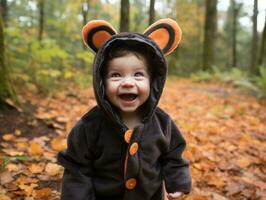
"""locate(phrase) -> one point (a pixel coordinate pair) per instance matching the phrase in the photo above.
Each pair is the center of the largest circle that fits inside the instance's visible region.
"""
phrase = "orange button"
(128, 135)
(131, 183)
(133, 148)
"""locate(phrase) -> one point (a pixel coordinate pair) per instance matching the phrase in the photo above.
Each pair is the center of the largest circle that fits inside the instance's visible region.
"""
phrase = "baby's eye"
(139, 74)
(115, 75)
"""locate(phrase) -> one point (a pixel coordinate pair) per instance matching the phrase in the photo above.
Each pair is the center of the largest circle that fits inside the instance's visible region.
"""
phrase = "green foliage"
(202, 76)
(3, 162)
(255, 84)
(45, 66)
(216, 73)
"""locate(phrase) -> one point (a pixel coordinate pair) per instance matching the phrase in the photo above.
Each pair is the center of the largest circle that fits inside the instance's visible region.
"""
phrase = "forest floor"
(225, 132)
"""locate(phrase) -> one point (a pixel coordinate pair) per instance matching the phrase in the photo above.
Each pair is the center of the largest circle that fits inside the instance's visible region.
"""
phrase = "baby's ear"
(166, 33)
(96, 32)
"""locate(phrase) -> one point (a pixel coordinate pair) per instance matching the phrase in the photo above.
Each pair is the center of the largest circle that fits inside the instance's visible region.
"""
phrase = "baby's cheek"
(144, 94)
(111, 87)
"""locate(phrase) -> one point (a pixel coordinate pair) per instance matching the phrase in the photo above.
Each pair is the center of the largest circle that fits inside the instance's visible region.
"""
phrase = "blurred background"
(46, 79)
(42, 49)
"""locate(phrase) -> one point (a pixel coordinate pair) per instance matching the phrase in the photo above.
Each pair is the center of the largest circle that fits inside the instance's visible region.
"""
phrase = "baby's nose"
(128, 82)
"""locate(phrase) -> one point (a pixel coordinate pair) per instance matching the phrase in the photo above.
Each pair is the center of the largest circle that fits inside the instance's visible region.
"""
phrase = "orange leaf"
(59, 144)
(36, 168)
(9, 137)
(243, 162)
(4, 197)
(5, 177)
(13, 167)
(52, 169)
(28, 189)
(35, 149)
(43, 193)
(13, 152)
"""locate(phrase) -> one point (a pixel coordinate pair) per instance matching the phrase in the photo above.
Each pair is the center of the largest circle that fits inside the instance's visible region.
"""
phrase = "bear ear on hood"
(96, 32)
(166, 33)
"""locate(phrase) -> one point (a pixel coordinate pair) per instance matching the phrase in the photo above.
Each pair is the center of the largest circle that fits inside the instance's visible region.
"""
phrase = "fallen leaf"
(28, 189)
(35, 149)
(12, 104)
(9, 137)
(17, 132)
(243, 162)
(21, 146)
(5, 177)
(52, 169)
(197, 197)
(56, 125)
(214, 181)
(51, 156)
(62, 119)
(4, 197)
(36, 168)
(13, 152)
(233, 188)
(11, 167)
(58, 144)
(22, 180)
(43, 193)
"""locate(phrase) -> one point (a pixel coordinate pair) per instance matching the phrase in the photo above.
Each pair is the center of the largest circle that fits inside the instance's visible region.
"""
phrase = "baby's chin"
(128, 110)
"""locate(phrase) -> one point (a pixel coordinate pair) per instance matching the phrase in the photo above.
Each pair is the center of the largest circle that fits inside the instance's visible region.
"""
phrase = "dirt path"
(225, 133)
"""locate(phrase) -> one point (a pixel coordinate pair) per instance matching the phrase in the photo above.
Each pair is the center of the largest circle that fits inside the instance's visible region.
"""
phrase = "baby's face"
(127, 82)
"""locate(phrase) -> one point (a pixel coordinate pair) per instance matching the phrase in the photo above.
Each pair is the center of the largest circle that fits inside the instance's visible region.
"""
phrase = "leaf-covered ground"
(225, 132)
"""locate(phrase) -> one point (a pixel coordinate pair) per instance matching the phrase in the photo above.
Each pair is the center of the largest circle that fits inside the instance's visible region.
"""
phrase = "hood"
(159, 39)
(158, 65)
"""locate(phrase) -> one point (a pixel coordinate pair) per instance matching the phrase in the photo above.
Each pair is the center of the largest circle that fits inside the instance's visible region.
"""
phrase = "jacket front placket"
(132, 161)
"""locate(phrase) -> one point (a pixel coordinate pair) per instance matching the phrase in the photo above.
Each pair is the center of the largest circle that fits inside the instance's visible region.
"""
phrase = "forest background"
(42, 49)
(215, 91)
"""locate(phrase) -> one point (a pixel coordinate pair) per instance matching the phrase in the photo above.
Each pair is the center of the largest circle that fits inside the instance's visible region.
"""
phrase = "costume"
(105, 160)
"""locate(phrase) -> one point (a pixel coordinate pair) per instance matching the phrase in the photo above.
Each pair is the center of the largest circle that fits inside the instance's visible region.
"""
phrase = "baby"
(126, 147)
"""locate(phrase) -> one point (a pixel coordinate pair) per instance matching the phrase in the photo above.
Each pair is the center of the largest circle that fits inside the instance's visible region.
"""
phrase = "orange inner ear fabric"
(161, 36)
(98, 31)
(99, 38)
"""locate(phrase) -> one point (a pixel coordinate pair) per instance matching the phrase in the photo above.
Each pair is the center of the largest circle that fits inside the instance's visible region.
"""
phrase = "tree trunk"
(6, 91)
(254, 46)
(41, 19)
(262, 45)
(4, 11)
(199, 34)
(124, 16)
(85, 9)
(210, 34)
(234, 33)
(152, 12)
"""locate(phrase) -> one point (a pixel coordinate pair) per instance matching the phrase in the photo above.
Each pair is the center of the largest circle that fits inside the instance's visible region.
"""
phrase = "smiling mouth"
(128, 97)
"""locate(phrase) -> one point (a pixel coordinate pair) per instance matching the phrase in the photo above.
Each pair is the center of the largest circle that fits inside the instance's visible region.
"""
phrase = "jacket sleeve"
(175, 168)
(77, 161)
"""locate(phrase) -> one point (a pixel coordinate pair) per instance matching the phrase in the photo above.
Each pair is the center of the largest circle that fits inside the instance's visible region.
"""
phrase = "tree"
(152, 12)
(209, 34)
(124, 16)
(262, 45)
(85, 9)
(254, 44)
(4, 11)
(234, 32)
(199, 5)
(41, 19)
(6, 91)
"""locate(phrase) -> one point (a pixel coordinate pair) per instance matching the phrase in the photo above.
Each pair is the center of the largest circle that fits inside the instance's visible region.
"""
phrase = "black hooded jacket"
(99, 164)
